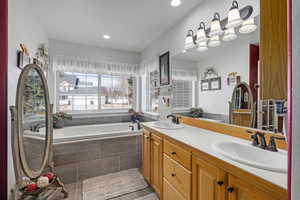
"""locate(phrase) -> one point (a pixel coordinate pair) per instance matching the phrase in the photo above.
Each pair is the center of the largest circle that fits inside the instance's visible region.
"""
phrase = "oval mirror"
(33, 120)
(242, 106)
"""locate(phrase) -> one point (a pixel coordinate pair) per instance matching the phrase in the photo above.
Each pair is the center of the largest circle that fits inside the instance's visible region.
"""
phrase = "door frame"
(3, 96)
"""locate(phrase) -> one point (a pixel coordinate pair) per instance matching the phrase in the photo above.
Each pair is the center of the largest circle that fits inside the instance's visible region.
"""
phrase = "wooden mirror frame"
(17, 141)
(252, 104)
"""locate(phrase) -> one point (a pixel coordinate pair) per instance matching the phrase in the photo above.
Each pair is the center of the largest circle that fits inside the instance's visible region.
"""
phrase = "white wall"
(93, 52)
(173, 40)
(22, 28)
(230, 57)
(296, 101)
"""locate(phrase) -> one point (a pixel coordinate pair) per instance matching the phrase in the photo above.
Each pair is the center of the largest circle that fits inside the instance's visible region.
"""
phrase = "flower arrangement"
(58, 119)
(196, 112)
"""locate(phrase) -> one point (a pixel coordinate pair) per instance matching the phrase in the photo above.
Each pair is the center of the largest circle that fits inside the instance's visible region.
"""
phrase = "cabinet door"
(241, 190)
(156, 163)
(146, 155)
(208, 182)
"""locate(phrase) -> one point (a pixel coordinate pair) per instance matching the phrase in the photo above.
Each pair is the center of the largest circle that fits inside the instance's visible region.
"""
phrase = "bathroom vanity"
(186, 162)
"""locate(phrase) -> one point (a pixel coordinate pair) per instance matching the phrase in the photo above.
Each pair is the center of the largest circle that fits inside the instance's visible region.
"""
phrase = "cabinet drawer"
(170, 193)
(177, 176)
(178, 153)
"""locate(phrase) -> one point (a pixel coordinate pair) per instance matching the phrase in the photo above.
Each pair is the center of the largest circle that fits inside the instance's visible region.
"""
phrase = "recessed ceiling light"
(175, 3)
(107, 37)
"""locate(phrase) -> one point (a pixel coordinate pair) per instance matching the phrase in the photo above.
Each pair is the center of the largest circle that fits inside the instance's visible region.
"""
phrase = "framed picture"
(215, 83)
(205, 85)
(164, 69)
(22, 60)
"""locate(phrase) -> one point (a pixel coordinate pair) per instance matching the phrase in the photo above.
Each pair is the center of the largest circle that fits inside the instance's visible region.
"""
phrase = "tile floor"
(75, 193)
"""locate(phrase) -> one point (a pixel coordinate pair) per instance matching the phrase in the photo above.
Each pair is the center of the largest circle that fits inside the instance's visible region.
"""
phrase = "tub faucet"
(36, 127)
(139, 127)
(175, 119)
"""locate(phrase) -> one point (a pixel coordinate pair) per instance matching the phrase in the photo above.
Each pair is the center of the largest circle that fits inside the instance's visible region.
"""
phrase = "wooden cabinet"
(152, 160)
(146, 155)
(239, 189)
(178, 154)
(209, 182)
(178, 177)
(273, 49)
(170, 193)
(179, 172)
(156, 163)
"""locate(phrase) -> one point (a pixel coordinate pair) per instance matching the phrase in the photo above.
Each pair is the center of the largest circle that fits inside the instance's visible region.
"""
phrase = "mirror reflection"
(34, 119)
(228, 89)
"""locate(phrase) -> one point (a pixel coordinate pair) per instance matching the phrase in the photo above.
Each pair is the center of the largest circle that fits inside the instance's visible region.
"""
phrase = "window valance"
(82, 65)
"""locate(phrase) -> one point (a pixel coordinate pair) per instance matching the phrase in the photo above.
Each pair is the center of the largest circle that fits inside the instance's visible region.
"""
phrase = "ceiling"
(132, 24)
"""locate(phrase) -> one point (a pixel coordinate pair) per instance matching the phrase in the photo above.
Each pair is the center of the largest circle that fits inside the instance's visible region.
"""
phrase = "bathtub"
(73, 134)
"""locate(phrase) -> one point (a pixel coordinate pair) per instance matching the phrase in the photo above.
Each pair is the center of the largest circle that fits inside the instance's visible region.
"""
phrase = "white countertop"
(203, 139)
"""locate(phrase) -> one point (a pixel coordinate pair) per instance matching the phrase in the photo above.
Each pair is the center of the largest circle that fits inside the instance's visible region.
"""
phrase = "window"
(92, 92)
(153, 91)
(182, 94)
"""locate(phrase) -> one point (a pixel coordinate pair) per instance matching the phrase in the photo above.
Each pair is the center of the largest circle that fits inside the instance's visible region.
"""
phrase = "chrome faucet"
(259, 140)
(272, 144)
(36, 127)
(175, 119)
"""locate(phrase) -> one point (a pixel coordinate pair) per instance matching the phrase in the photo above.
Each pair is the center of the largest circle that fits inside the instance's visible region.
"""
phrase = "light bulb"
(214, 41)
(229, 35)
(202, 46)
(175, 3)
(201, 33)
(215, 27)
(248, 26)
(234, 17)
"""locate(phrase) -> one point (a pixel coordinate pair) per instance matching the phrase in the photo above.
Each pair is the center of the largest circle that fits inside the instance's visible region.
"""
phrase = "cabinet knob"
(230, 189)
(173, 174)
(173, 153)
(147, 137)
(220, 183)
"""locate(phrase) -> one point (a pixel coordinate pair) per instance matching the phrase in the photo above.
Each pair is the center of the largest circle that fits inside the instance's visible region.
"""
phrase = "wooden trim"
(273, 49)
(3, 97)
(228, 129)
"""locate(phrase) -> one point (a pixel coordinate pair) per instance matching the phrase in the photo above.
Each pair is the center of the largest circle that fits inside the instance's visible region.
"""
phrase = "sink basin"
(167, 125)
(253, 156)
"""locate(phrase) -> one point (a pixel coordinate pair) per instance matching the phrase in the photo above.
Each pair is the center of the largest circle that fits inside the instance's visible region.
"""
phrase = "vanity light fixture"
(229, 35)
(215, 27)
(175, 3)
(234, 16)
(201, 33)
(214, 41)
(189, 40)
(202, 46)
(248, 26)
(107, 37)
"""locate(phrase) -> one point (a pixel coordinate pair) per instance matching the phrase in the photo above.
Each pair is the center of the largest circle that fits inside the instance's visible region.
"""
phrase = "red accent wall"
(3, 98)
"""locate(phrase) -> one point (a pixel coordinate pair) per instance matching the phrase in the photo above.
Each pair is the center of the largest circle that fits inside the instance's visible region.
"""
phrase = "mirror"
(33, 120)
(241, 106)
(227, 89)
(229, 85)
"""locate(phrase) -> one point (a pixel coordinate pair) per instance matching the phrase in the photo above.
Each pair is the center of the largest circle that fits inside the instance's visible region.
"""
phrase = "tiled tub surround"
(81, 160)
